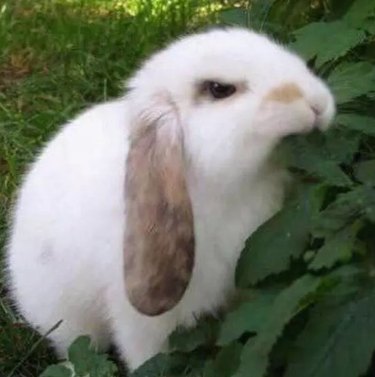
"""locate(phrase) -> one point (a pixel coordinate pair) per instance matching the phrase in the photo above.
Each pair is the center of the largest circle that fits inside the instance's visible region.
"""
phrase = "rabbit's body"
(65, 267)
(132, 219)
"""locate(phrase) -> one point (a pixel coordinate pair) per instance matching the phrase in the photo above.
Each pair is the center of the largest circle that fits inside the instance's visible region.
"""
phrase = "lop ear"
(159, 236)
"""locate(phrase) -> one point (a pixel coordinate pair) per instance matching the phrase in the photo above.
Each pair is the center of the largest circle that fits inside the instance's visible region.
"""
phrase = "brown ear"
(159, 236)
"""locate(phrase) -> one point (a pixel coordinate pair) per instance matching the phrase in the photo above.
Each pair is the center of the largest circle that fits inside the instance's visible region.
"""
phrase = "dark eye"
(219, 90)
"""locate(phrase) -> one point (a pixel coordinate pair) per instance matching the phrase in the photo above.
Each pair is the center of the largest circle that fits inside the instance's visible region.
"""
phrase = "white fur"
(65, 249)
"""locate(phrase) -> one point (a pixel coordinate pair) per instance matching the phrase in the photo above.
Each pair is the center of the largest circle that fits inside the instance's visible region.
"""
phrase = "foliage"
(325, 347)
(82, 361)
(307, 276)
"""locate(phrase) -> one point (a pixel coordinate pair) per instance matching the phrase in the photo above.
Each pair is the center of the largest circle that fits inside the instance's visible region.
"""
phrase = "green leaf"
(258, 14)
(351, 80)
(338, 248)
(345, 282)
(86, 361)
(369, 25)
(328, 171)
(369, 203)
(269, 249)
(347, 207)
(172, 364)
(326, 41)
(337, 340)
(359, 12)
(186, 340)
(339, 146)
(339, 213)
(248, 317)
(226, 362)
(254, 18)
(357, 122)
(254, 357)
(320, 155)
(236, 16)
(157, 366)
(57, 371)
(365, 172)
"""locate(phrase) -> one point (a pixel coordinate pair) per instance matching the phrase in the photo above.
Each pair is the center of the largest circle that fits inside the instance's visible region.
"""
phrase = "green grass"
(57, 57)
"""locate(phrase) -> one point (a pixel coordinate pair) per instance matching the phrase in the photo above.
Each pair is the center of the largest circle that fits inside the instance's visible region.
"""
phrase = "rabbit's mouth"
(288, 109)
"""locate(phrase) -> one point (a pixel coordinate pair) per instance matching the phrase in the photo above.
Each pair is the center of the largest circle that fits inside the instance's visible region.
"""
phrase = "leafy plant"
(82, 361)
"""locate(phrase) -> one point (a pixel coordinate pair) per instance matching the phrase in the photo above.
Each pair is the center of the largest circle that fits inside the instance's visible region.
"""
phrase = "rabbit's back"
(67, 231)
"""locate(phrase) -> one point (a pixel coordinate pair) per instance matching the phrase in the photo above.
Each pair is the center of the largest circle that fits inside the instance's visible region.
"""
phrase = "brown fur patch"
(286, 93)
(159, 238)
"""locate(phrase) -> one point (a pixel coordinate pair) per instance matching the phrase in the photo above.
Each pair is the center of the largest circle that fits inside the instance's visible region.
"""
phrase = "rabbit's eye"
(218, 90)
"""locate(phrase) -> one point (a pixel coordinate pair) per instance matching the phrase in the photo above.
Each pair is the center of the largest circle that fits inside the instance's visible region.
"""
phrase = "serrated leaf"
(351, 80)
(357, 122)
(254, 357)
(326, 40)
(270, 248)
(365, 172)
(320, 155)
(186, 340)
(248, 317)
(329, 171)
(339, 213)
(345, 282)
(87, 362)
(57, 371)
(225, 363)
(337, 248)
(347, 207)
(337, 340)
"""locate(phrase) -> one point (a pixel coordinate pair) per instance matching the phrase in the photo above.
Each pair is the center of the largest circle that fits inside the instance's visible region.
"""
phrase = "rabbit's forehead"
(227, 57)
(235, 56)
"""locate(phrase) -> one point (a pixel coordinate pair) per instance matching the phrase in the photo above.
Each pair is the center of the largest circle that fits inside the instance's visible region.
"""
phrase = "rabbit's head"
(213, 104)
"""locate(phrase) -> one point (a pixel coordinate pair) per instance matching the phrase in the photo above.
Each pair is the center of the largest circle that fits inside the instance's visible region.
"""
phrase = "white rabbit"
(132, 219)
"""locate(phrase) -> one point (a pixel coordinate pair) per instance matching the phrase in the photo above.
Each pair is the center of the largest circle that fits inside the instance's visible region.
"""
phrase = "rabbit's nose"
(316, 110)
(317, 114)
(323, 115)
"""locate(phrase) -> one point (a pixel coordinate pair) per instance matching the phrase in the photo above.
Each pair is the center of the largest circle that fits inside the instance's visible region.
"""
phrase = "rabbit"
(132, 218)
